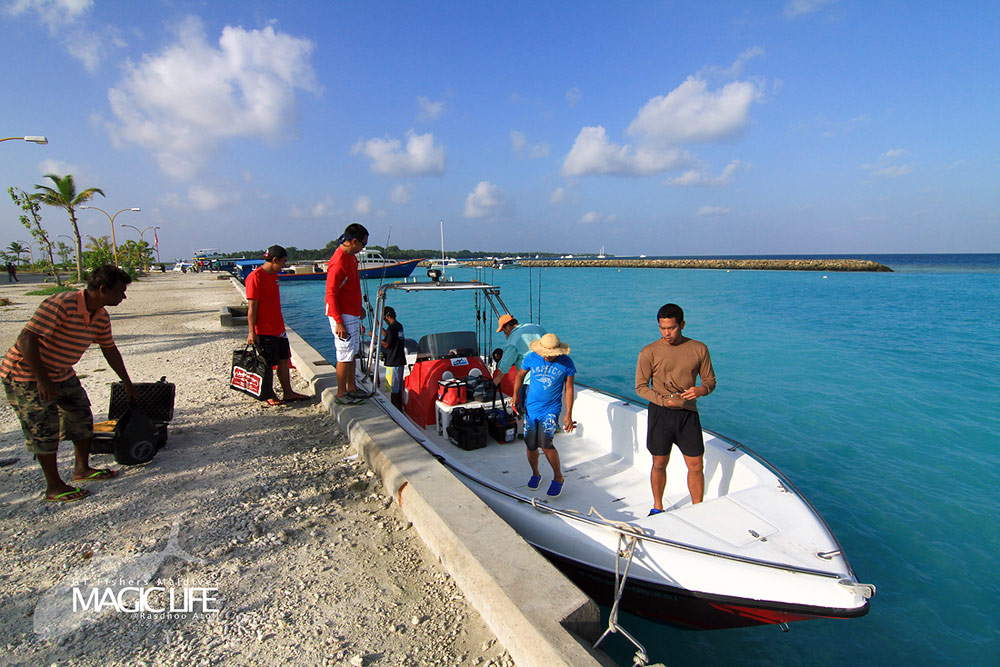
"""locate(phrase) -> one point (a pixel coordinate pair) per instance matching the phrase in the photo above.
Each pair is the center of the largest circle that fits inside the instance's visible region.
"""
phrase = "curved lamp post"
(34, 140)
(141, 232)
(111, 218)
(72, 242)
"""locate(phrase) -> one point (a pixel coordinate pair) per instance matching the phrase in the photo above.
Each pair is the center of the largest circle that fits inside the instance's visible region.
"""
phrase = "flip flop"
(97, 476)
(347, 399)
(654, 512)
(296, 397)
(274, 401)
(69, 496)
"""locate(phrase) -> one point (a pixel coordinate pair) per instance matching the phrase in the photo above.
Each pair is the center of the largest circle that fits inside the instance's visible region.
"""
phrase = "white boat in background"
(601, 254)
(754, 552)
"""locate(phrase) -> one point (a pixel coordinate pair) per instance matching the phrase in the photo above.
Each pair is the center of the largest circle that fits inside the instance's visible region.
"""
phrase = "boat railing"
(575, 515)
(782, 478)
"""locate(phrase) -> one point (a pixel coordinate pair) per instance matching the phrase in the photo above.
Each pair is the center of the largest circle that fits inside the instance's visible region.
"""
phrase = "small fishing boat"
(754, 552)
(371, 265)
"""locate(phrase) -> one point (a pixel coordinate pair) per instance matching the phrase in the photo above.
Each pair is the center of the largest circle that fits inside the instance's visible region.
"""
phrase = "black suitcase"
(141, 429)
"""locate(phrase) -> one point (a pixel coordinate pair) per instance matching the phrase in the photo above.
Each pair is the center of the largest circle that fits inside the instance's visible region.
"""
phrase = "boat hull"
(397, 270)
(686, 609)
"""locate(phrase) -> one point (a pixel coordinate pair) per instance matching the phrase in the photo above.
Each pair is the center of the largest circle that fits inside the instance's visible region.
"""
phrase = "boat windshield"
(447, 345)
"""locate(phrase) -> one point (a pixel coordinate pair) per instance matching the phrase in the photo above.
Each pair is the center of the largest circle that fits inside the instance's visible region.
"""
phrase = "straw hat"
(549, 345)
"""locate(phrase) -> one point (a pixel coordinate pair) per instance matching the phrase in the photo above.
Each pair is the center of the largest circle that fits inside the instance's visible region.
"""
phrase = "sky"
(657, 128)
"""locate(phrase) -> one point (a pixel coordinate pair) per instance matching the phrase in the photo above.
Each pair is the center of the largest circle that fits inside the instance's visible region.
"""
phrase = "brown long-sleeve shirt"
(665, 369)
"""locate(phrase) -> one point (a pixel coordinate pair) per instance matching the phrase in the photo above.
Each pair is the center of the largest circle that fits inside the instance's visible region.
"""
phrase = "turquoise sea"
(877, 394)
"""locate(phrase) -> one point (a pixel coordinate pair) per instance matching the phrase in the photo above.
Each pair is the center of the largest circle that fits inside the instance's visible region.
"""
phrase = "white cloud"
(573, 96)
(205, 199)
(181, 103)
(594, 153)
(486, 200)
(388, 156)
(53, 13)
(559, 196)
(401, 194)
(699, 177)
(61, 169)
(795, 8)
(521, 148)
(894, 170)
(429, 110)
(70, 21)
(593, 217)
(736, 69)
(887, 165)
(321, 209)
(363, 205)
(713, 211)
(693, 114)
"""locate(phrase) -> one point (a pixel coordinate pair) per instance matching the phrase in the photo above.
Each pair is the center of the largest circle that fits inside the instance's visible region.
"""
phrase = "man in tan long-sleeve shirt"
(666, 375)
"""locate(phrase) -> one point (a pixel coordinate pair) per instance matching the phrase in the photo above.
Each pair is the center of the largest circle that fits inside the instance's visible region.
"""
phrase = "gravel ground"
(309, 561)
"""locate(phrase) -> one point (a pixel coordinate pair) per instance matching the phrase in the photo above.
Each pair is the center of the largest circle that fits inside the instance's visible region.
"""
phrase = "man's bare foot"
(293, 396)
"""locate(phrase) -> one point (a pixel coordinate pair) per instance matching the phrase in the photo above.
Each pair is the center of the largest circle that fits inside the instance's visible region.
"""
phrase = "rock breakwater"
(728, 264)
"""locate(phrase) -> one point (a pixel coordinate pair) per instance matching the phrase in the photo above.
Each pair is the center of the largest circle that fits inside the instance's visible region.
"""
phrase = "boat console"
(453, 353)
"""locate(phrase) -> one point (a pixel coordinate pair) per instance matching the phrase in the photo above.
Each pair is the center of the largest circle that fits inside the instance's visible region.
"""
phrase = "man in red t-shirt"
(267, 326)
(343, 307)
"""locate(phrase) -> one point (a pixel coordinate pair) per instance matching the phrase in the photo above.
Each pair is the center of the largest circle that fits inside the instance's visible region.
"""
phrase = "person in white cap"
(552, 374)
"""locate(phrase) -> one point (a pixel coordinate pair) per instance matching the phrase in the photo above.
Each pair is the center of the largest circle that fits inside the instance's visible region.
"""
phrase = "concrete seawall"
(728, 264)
(538, 615)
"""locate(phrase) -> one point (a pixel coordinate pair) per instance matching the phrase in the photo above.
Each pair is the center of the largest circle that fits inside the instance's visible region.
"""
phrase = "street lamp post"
(141, 232)
(72, 242)
(111, 218)
(34, 140)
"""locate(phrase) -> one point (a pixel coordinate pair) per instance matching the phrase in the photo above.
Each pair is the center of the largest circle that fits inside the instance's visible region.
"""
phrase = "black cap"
(275, 252)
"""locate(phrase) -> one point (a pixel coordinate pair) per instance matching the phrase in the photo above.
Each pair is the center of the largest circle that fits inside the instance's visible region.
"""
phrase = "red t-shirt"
(343, 286)
(263, 287)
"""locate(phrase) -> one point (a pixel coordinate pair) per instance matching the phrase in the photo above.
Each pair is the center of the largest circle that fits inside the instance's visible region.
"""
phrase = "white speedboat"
(754, 552)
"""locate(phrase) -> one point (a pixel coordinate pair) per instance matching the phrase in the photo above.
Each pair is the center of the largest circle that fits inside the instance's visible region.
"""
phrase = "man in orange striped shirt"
(42, 387)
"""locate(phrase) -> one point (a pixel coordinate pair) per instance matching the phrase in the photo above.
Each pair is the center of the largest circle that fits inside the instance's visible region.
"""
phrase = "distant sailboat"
(601, 255)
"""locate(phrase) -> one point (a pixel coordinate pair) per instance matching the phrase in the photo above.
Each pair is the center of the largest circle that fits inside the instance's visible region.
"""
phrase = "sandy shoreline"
(311, 562)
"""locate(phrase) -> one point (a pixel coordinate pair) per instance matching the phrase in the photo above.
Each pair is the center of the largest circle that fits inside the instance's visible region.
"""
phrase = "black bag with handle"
(251, 373)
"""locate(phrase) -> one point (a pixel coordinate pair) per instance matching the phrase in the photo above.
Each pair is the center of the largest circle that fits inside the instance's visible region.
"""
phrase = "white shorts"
(347, 349)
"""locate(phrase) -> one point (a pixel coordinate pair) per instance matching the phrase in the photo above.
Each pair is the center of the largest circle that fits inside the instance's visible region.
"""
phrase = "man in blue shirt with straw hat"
(552, 374)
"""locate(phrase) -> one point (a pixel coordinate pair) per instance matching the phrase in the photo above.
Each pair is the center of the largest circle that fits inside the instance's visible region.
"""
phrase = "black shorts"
(274, 348)
(666, 427)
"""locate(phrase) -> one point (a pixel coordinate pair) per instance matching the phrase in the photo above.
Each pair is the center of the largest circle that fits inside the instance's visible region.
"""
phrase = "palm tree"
(64, 195)
(17, 249)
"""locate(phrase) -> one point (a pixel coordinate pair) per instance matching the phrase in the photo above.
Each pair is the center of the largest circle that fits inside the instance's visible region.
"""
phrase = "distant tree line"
(389, 252)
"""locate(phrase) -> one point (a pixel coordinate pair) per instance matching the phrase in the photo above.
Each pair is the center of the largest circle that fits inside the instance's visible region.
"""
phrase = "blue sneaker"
(654, 511)
(534, 482)
(555, 488)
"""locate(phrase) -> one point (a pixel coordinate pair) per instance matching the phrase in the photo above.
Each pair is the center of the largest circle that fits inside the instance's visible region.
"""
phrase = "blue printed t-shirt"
(547, 379)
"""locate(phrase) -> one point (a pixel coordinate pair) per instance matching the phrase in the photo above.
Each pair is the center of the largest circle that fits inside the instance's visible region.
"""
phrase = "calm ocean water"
(877, 394)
